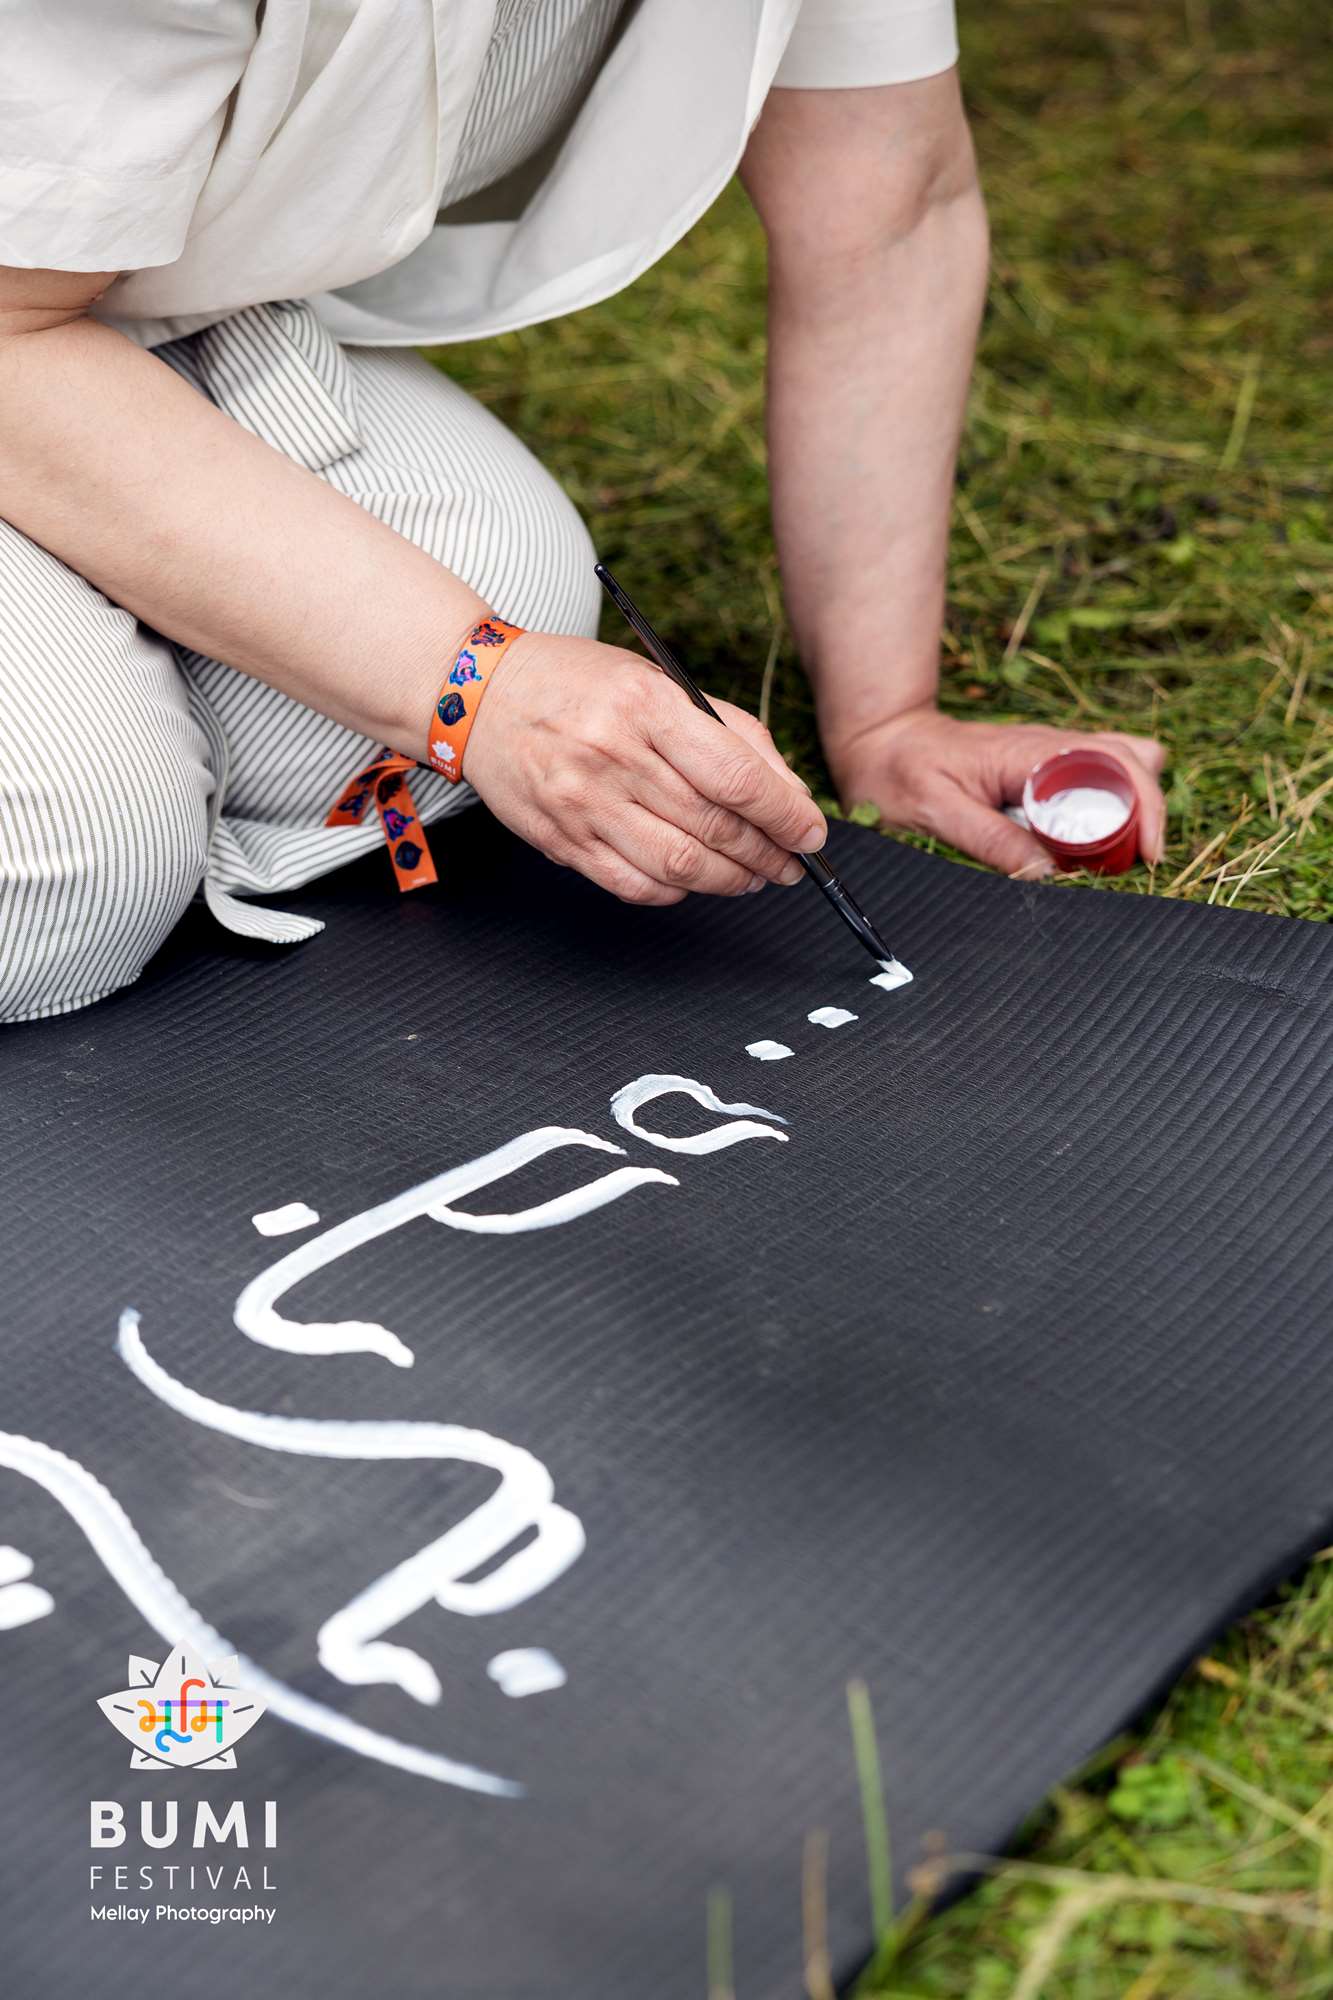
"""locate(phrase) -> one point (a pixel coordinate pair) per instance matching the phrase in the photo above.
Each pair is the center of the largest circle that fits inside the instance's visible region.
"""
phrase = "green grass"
(1144, 539)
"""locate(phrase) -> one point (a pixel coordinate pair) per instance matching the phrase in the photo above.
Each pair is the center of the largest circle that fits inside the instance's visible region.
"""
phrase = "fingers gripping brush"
(815, 866)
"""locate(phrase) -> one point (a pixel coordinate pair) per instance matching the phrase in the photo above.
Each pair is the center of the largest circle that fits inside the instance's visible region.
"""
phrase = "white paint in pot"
(1081, 814)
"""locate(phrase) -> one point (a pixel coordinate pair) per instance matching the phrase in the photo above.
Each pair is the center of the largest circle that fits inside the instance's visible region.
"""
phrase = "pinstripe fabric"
(541, 57)
(103, 845)
(91, 875)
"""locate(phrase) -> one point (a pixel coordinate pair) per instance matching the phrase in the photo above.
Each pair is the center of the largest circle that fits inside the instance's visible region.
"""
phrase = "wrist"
(410, 680)
(461, 693)
(441, 734)
(865, 670)
(845, 725)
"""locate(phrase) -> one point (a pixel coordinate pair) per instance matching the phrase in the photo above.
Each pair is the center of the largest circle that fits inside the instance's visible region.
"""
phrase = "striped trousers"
(202, 780)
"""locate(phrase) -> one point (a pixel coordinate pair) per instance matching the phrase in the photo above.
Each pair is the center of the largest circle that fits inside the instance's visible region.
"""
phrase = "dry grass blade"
(1241, 1788)
(1259, 866)
(1216, 1670)
(814, 1917)
(1289, 1909)
(1024, 618)
(721, 1977)
(1240, 421)
(1204, 855)
(1050, 1941)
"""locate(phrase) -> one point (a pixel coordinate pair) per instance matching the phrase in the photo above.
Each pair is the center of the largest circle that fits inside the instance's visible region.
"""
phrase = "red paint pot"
(1114, 852)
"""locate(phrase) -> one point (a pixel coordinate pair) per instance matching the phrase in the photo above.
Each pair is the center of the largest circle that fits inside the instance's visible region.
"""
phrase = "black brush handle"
(815, 865)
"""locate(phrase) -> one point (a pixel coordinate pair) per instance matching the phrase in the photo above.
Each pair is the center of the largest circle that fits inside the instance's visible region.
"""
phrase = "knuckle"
(792, 817)
(619, 879)
(922, 816)
(631, 692)
(628, 886)
(679, 861)
(719, 828)
(568, 795)
(603, 732)
(632, 702)
(739, 782)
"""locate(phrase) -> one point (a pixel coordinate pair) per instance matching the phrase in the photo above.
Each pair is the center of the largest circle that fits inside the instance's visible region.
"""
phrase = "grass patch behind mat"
(1143, 539)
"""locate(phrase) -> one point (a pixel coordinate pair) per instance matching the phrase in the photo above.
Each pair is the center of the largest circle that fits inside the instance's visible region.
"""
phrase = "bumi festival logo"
(181, 1714)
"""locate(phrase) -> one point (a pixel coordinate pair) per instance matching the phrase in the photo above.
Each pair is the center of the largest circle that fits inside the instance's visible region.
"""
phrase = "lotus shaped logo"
(182, 1714)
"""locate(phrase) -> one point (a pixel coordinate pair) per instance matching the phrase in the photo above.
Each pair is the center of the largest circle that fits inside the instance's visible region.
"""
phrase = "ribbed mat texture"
(997, 1376)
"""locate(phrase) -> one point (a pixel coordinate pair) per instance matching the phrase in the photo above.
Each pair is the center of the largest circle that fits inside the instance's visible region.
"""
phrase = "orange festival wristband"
(455, 709)
(384, 779)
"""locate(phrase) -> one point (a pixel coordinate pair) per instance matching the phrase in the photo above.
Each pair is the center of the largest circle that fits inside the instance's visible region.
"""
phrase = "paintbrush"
(815, 866)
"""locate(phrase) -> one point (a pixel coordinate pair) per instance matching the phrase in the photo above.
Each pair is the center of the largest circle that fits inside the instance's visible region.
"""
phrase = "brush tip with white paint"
(893, 975)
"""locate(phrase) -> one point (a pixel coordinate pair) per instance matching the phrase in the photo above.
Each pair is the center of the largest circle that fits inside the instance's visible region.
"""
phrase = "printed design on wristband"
(384, 782)
(471, 668)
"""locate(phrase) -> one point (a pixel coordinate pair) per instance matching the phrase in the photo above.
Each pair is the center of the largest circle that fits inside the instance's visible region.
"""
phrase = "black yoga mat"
(998, 1382)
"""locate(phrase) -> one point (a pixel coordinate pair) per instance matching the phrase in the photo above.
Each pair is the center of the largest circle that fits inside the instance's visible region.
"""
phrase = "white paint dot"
(282, 1221)
(831, 1017)
(526, 1670)
(14, 1565)
(892, 975)
(767, 1051)
(20, 1602)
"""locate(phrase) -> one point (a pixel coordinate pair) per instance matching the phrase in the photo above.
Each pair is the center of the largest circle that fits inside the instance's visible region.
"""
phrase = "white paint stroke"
(350, 1644)
(282, 1221)
(631, 1096)
(526, 1670)
(117, 1544)
(20, 1602)
(831, 1017)
(255, 1313)
(893, 975)
(767, 1051)
(14, 1565)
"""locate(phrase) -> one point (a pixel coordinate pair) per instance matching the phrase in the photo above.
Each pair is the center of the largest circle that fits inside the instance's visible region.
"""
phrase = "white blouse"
(221, 154)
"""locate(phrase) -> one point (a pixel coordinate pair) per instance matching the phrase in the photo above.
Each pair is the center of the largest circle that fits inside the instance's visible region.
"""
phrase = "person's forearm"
(870, 351)
(115, 464)
(877, 272)
(111, 461)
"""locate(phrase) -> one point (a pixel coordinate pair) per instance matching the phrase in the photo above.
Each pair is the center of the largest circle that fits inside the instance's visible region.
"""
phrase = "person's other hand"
(601, 762)
(937, 775)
